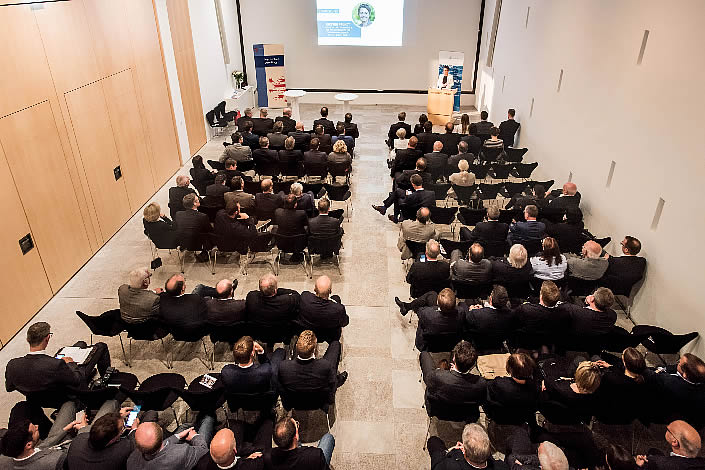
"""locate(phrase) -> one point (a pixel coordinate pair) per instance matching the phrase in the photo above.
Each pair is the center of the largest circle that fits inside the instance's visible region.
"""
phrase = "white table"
(293, 97)
(346, 98)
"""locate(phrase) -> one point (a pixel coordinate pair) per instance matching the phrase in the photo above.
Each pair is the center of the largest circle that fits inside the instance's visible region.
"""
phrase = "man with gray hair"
(473, 452)
(137, 302)
(428, 273)
(589, 266)
(304, 200)
(177, 193)
(288, 123)
(246, 116)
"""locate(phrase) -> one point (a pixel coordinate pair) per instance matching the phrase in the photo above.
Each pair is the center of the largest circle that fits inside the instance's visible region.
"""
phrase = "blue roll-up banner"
(454, 61)
(271, 77)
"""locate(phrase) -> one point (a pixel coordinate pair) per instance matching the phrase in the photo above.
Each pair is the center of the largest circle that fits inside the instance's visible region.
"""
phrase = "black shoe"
(391, 217)
(381, 209)
(234, 284)
(403, 309)
(342, 377)
(321, 193)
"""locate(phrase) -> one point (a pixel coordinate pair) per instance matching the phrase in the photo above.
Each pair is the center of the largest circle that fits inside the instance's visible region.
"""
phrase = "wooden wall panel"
(31, 142)
(185, 57)
(90, 124)
(111, 37)
(29, 289)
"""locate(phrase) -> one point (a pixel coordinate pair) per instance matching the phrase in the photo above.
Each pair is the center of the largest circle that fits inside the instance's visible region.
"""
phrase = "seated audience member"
(248, 375)
(405, 159)
(474, 452)
(177, 193)
(22, 447)
(237, 151)
(218, 188)
(322, 312)
(223, 309)
(262, 125)
(327, 124)
(462, 154)
(419, 230)
(180, 310)
(437, 161)
(543, 320)
(305, 373)
(569, 234)
(224, 451)
(249, 138)
(401, 142)
(48, 373)
(476, 268)
(202, 176)
(302, 139)
(622, 386)
(137, 302)
(291, 455)
(483, 127)
(450, 140)
(235, 227)
(685, 444)
(589, 266)
(289, 125)
(392, 134)
(407, 202)
(267, 202)
(680, 386)
(494, 141)
(457, 385)
(513, 269)
(491, 232)
(271, 305)
(578, 396)
(549, 264)
(343, 135)
(324, 225)
(568, 198)
(474, 144)
(529, 231)
(193, 226)
(325, 141)
(265, 158)
(625, 271)
(182, 450)
(290, 221)
(315, 157)
(596, 318)
(290, 158)
(246, 116)
(304, 200)
(430, 274)
(520, 454)
(276, 137)
(463, 177)
(350, 127)
(158, 227)
(518, 392)
(418, 128)
(438, 318)
(494, 318)
(531, 196)
(426, 138)
(403, 180)
(231, 172)
(340, 154)
(508, 129)
(239, 196)
(429, 299)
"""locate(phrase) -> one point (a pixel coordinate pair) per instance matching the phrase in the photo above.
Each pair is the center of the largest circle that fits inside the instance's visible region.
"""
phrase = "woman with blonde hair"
(340, 153)
(158, 227)
(576, 395)
(401, 142)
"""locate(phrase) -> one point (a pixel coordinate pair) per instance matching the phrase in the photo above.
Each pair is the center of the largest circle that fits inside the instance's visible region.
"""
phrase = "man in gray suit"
(137, 302)
(236, 151)
(239, 196)
(589, 266)
(475, 269)
(182, 450)
(420, 230)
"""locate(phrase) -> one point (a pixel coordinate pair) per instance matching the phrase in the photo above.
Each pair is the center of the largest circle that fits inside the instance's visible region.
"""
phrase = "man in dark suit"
(271, 305)
(184, 312)
(193, 226)
(315, 157)
(405, 159)
(508, 129)
(681, 388)
(407, 202)
(323, 312)
(302, 139)
(289, 219)
(543, 320)
(439, 317)
(267, 202)
(350, 127)
(246, 116)
(262, 125)
(304, 373)
(494, 318)
(528, 231)
(249, 138)
(567, 199)
(437, 161)
(474, 452)
(685, 444)
(450, 140)
(474, 143)
(483, 127)
(248, 375)
(429, 273)
(457, 385)
(40, 372)
(324, 225)
(461, 154)
(403, 180)
(569, 234)
(223, 308)
(490, 234)
(304, 200)
(285, 119)
(325, 141)
(328, 126)
(476, 268)
(392, 134)
(597, 318)
(217, 189)
(236, 228)
(177, 193)
(291, 455)
(624, 271)
(266, 159)
(427, 138)
(231, 172)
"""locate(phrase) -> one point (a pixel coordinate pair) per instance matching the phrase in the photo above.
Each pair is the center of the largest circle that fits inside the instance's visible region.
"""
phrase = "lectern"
(440, 106)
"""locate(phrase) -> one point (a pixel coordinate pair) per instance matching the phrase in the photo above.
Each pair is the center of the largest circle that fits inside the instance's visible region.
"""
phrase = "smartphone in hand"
(130, 420)
(80, 415)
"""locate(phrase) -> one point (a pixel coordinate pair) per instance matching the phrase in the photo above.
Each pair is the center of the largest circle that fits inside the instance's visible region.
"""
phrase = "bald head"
(268, 285)
(223, 447)
(552, 457)
(684, 439)
(592, 249)
(148, 438)
(423, 215)
(570, 189)
(224, 289)
(182, 181)
(299, 126)
(323, 287)
(437, 146)
(175, 285)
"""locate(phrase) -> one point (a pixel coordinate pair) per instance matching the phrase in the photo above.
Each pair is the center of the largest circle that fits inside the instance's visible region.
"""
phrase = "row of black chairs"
(467, 195)
(497, 171)
(218, 118)
(293, 169)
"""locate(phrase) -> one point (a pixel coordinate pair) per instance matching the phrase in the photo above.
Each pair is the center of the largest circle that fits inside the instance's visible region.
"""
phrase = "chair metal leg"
(167, 363)
(129, 360)
(337, 264)
(124, 356)
(428, 433)
(215, 260)
(205, 351)
(176, 418)
(328, 421)
(181, 260)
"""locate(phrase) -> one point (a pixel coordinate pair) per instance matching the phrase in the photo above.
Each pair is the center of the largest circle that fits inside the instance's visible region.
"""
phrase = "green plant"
(238, 75)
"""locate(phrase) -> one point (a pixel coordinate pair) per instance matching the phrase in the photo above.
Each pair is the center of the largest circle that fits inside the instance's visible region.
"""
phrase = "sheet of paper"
(79, 355)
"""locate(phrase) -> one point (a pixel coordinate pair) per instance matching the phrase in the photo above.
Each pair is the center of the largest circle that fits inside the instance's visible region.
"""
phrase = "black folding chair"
(200, 398)
(157, 393)
(444, 216)
(309, 400)
(108, 324)
(290, 244)
(471, 217)
(216, 165)
(441, 342)
(465, 195)
(340, 193)
(511, 189)
(315, 170)
(440, 189)
(450, 245)
(193, 335)
(261, 401)
(507, 216)
(516, 155)
(480, 171)
(216, 127)
(150, 330)
(94, 398)
(340, 169)
(416, 248)
(261, 244)
(501, 171)
(471, 290)
(524, 170)
(325, 246)
(456, 412)
(490, 154)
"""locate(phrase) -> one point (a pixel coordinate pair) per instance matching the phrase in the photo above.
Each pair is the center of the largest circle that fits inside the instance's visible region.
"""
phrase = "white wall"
(428, 28)
(232, 35)
(644, 117)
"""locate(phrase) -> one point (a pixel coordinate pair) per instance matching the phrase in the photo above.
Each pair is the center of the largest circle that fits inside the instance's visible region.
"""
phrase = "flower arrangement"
(238, 77)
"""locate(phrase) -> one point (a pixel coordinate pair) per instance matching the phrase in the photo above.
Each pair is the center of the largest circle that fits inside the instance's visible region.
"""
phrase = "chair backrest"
(441, 190)
(489, 191)
(227, 333)
(210, 210)
(507, 215)
(291, 243)
(443, 215)
(497, 249)
(480, 171)
(416, 248)
(518, 290)
(516, 155)
(450, 245)
(581, 287)
(210, 117)
(512, 188)
(216, 165)
(471, 290)
(229, 245)
(324, 245)
(108, 323)
(262, 401)
(150, 330)
(339, 169)
(490, 154)
(246, 165)
(508, 415)
(189, 335)
(618, 339)
(471, 217)
(500, 171)
(261, 243)
(442, 342)
(464, 194)
(316, 169)
(532, 247)
(467, 412)
(552, 214)
(308, 400)
(270, 334)
(524, 170)
(337, 192)
(546, 184)
(203, 401)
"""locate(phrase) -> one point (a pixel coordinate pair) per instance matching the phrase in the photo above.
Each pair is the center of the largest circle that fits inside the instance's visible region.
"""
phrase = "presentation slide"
(355, 23)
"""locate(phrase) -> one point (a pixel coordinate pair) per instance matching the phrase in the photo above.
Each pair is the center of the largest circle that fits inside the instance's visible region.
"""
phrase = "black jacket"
(186, 312)
(301, 458)
(622, 273)
(474, 143)
(570, 237)
(490, 233)
(266, 161)
(162, 232)
(289, 124)
(266, 204)
(223, 312)
(587, 322)
(297, 375)
(537, 320)
(251, 140)
(324, 225)
(392, 134)
(449, 386)
(82, 456)
(217, 190)
(455, 460)
(428, 276)
(504, 273)
(281, 308)
(351, 129)
(426, 141)
(302, 140)
(190, 225)
(489, 321)
(507, 393)
(262, 126)
(507, 131)
(176, 198)
(321, 314)
(405, 159)
(328, 126)
(290, 221)
(47, 373)
(403, 179)
(254, 379)
(416, 200)
(325, 143)
(450, 142)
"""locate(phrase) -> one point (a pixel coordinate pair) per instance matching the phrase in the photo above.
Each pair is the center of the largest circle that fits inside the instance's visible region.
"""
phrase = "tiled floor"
(379, 420)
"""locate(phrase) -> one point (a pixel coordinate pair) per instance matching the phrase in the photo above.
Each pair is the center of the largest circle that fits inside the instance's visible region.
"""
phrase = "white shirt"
(447, 85)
